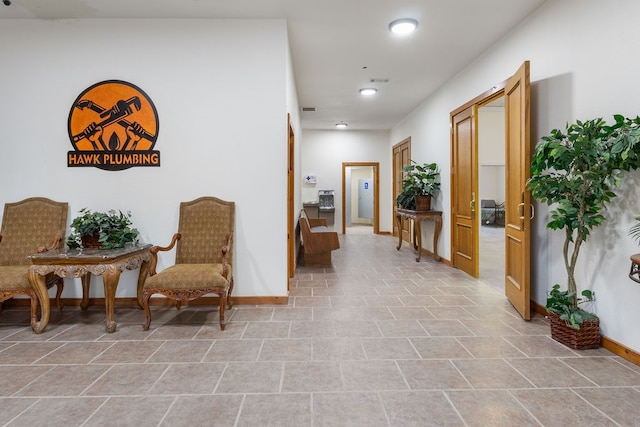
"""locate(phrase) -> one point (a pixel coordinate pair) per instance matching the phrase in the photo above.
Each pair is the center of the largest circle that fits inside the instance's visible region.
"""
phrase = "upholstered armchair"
(204, 256)
(32, 225)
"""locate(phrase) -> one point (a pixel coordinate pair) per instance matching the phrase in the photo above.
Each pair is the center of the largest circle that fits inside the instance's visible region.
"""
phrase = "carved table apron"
(417, 217)
(108, 263)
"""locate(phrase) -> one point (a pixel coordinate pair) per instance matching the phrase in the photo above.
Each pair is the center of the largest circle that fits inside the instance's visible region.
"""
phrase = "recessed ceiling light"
(368, 91)
(403, 26)
(341, 125)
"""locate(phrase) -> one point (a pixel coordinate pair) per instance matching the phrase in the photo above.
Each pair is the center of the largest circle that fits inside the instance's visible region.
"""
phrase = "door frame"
(496, 91)
(376, 193)
(396, 186)
(291, 261)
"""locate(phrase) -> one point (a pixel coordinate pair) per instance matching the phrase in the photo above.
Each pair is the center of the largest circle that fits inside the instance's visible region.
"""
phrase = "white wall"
(583, 65)
(222, 89)
(293, 109)
(324, 151)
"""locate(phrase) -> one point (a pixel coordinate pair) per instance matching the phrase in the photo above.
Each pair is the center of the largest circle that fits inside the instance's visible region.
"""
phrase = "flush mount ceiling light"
(368, 91)
(341, 125)
(403, 26)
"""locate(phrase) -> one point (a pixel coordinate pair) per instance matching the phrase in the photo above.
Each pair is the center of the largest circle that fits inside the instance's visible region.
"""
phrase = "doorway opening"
(360, 195)
(491, 192)
(518, 212)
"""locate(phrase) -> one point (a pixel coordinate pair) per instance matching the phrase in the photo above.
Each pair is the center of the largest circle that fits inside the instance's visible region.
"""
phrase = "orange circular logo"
(116, 121)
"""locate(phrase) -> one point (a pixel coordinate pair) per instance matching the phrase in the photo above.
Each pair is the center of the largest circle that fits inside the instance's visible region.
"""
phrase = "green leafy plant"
(566, 305)
(419, 180)
(634, 231)
(113, 228)
(576, 172)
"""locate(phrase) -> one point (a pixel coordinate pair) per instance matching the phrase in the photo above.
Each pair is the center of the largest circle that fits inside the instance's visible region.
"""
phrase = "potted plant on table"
(419, 185)
(106, 230)
(576, 172)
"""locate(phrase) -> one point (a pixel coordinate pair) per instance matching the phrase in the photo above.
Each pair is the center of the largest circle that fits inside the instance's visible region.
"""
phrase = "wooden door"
(401, 158)
(290, 185)
(518, 201)
(464, 185)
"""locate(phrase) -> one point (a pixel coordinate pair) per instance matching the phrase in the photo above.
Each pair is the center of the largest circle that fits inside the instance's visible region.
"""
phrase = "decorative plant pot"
(91, 241)
(588, 336)
(423, 203)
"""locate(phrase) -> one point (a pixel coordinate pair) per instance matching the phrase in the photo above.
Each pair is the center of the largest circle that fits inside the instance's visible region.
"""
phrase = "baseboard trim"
(611, 345)
(155, 301)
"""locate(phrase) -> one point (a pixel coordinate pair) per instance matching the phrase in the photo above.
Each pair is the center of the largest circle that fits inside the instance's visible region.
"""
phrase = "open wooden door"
(401, 158)
(464, 185)
(291, 262)
(518, 210)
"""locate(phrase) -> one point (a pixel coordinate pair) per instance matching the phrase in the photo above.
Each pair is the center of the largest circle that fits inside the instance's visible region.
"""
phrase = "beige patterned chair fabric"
(32, 225)
(204, 256)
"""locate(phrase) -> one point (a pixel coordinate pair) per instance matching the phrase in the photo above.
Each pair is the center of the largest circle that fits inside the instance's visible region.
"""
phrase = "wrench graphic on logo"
(115, 114)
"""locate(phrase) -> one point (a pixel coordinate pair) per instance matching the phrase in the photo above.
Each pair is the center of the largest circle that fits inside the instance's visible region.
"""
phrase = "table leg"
(39, 286)
(436, 234)
(399, 222)
(86, 284)
(110, 279)
(142, 277)
(417, 227)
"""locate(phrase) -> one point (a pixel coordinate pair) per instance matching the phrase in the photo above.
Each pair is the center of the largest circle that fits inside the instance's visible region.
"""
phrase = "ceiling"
(339, 46)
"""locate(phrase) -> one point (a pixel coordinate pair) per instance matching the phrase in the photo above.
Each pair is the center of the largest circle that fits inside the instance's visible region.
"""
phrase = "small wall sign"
(113, 125)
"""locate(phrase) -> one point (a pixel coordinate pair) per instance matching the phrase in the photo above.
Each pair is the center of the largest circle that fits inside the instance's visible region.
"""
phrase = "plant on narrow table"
(576, 173)
(419, 180)
(113, 229)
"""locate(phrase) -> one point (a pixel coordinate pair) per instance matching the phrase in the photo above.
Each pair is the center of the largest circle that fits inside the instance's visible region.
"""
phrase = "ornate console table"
(108, 263)
(417, 217)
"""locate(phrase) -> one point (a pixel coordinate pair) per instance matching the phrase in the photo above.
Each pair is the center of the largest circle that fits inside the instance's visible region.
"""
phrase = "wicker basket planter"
(92, 241)
(423, 203)
(588, 336)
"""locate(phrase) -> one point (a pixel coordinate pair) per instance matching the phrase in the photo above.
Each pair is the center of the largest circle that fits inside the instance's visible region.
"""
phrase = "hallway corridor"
(376, 340)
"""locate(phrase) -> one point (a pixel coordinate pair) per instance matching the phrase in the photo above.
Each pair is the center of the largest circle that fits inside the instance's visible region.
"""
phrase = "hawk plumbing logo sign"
(113, 125)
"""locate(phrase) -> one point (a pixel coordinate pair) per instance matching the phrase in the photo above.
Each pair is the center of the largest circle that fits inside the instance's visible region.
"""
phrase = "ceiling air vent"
(308, 109)
(379, 80)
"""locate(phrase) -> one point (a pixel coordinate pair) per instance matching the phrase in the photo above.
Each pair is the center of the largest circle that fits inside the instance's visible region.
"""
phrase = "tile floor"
(376, 340)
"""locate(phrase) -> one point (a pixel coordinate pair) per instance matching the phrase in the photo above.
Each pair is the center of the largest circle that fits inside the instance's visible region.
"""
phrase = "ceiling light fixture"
(368, 91)
(403, 26)
(341, 125)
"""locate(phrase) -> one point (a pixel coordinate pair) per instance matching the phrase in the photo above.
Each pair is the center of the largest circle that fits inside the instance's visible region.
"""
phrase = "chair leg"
(145, 305)
(223, 300)
(229, 302)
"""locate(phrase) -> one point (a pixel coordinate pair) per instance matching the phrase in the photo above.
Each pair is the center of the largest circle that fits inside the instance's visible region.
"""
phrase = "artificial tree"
(576, 172)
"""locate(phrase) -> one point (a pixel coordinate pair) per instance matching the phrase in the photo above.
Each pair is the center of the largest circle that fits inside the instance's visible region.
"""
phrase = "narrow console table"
(417, 217)
(108, 263)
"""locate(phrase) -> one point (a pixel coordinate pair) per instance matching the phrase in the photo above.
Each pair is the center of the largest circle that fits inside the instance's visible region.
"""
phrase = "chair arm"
(154, 253)
(56, 241)
(225, 262)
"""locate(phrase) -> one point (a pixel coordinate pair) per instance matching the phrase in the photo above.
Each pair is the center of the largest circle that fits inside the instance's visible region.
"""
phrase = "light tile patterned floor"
(376, 340)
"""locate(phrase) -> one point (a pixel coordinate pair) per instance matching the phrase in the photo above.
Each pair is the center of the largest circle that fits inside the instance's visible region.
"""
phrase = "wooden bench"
(317, 240)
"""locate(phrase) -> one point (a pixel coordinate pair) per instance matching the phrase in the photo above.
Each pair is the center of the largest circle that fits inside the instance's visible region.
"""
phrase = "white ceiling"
(338, 46)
